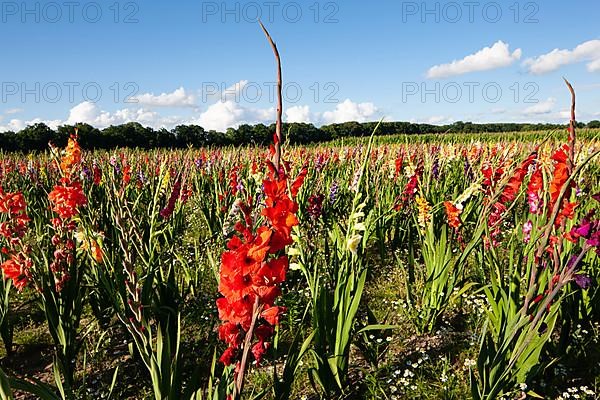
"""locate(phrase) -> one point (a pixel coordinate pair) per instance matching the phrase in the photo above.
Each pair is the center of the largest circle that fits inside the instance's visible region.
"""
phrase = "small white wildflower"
(469, 363)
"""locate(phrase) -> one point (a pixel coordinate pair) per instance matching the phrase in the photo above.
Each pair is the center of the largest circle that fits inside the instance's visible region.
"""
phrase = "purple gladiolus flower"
(584, 229)
(87, 173)
(594, 240)
(319, 163)
(333, 192)
(435, 169)
(469, 171)
(583, 281)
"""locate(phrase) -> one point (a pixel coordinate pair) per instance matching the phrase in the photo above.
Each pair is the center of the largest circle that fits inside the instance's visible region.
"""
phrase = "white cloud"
(90, 113)
(229, 114)
(214, 92)
(178, 98)
(433, 120)
(298, 114)
(488, 58)
(16, 125)
(12, 111)
(565, 114)
(13, 125)
(234, 91)
(52, 123)
(350, 111)
(218, 116)
(439, 120)
(544, 107)
(86, 112)
(587, 51)
(594, 66)
(588, 87)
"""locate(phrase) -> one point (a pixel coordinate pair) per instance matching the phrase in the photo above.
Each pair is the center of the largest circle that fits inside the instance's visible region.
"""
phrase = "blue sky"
(166, 63)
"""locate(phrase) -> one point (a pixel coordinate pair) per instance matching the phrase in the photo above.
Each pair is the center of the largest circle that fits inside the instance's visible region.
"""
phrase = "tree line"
(133, 134)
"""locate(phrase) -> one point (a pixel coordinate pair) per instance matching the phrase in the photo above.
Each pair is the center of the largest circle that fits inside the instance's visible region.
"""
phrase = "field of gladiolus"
(429, 267)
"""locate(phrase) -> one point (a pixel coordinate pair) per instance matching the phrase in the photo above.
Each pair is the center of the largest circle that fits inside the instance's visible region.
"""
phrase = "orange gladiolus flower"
(72, 156)
(96, 251)
(67, 198)
(453, 214)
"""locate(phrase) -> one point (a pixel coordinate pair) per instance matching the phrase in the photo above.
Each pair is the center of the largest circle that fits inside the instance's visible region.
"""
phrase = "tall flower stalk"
(45, 257)
(521, 318)
(255, 264)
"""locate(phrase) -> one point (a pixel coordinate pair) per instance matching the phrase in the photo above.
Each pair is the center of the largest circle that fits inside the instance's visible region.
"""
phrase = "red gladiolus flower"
(315, 206)
(12, 203)
(230, 333)
(282, 217)
(97, 174)
(491, 176)
(237, 312)
(533, 190)
(15, 228)
(272, 314)
(398, 165)
(295, 188)
(18, 265)
(259, 349)
(170, 207)
(567, 212)
(228, 356)
(126, 175)
(252, 268)
(514, 183)
(65, 199)
(559, 176)
(17, 269)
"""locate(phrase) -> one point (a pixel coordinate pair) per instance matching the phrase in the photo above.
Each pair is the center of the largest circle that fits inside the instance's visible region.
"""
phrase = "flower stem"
(239, 383)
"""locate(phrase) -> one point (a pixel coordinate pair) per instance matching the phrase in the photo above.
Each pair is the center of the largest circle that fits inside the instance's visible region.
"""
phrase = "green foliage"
(134, 135)
(345, 254)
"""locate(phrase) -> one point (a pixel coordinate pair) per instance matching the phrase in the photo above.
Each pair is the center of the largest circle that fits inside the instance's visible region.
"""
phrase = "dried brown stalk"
(277, 157)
